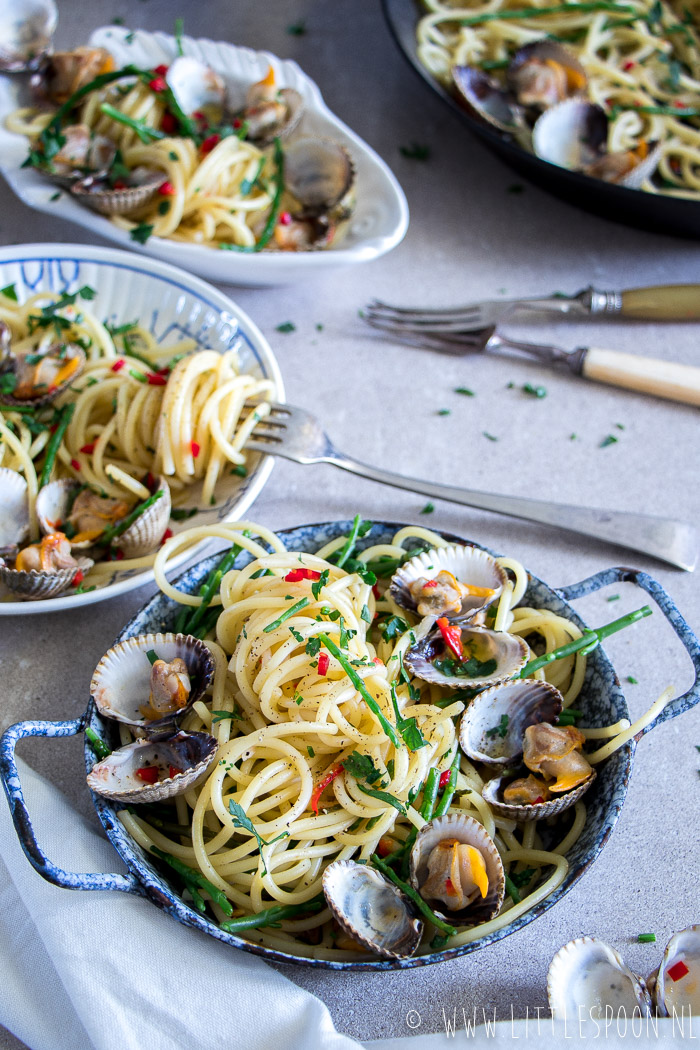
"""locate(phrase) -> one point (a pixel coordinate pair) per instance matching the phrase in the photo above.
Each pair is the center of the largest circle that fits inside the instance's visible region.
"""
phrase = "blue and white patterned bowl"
(601, 700)
(172, 305)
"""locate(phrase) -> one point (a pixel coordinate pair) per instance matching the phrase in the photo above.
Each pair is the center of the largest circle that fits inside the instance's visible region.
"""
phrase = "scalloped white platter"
(172, 305)
(378, 224)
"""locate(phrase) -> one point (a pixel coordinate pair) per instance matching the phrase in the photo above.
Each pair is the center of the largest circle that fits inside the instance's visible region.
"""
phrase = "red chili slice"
(88, 449)
(429, 583)
(538, 800)
(173, 771)
(75, 465)
(449, 886)
(119, 554)
(444, 777)
(195, 448)
(149, 774)
(166, 189)
(330, 776)
(323, 662)
(78, 578)
(677, 971)
(155, 380)
(160, 71)
(285, 218)
(166, 536)
(168, 123)
(118, 365)
(209, 143)
(296, 575)
(452, 636)
(375, 591)
(157, 84)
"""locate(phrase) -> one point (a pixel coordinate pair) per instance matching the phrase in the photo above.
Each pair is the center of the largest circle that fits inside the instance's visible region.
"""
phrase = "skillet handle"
(9, 774)
(689, 699)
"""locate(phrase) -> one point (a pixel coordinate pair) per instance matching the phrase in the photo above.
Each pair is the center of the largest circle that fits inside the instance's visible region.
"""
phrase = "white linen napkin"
(109, 971)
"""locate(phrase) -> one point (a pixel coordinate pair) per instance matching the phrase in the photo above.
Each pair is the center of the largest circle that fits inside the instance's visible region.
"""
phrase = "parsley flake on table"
(428, 508)
(464, 390)
(444, 411)
(609, 440)
(416, 151)
(297, 28)
(286, 327)
(534, 391)
(491, 437)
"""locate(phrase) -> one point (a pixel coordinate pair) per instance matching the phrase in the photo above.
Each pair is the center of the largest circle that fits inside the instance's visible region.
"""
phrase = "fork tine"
(469, 314)
(427, 324)
(448, 344)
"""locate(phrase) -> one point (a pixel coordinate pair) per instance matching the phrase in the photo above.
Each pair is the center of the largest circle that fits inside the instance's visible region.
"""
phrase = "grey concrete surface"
(469, 237)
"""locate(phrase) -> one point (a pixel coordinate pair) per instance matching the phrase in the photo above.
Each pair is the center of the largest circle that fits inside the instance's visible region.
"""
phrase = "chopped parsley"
(297, 28)
(318, 585)
(366, 615)
(491, 437)
(407, 727)
(535, 391)
(183, 513)
(632, 680)
(393, 627)
(609, 440)
(428, 508)
(444, 411)
(10, 292)
(286, 327)
(416, 151)
(241, 820)
(500, 730)
(362, 767)
(313, 647)
(142, 232)
(471, 668)
(464, 390)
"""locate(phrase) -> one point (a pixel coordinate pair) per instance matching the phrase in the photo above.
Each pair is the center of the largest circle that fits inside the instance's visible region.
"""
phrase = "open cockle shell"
(45, 395)
(36, 584)
(469, 831)
(680, 996)
(471, 566)
(493, 794)
(14, 509)
(319, 174)
(116, 776)
(587, 974)
(26, 29)
(371, 909)
(543, 73)
(121, 682)
(142, 186)
(262, 131)
(485, 98)
(195, 85)
(518, 704)
(149, 528)
(508, 650)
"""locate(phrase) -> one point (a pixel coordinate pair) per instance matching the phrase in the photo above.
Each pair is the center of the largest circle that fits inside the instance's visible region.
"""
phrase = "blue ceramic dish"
(601, 700)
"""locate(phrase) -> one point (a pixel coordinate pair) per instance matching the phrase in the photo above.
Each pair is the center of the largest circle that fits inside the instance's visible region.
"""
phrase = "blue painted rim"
(604, 801)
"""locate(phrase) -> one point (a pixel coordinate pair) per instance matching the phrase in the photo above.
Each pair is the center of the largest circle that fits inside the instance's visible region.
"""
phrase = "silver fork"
(295, 434)
(673, 302)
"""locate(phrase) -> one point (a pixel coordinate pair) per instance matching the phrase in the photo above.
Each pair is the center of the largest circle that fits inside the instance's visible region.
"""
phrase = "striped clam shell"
(469, 565)
(14, 508)
(148, 530)
(587, 974)
(294, 104)
(683, 994)
(116, 776)
(371, 910)
(121, 681)
(520, 704)
(492, 793)
(35, 585)
(508, 650)
(122, 201)
(465, 829)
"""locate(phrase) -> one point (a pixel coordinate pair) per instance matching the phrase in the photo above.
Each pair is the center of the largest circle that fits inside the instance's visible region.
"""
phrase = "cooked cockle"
(456, 654)
(543, 73)
(271, 112)
(170, 688)
(128, 687)
(587, 974)
(455, 864)
(555, 752)
(371, 910)
(91, 513)
(153, 771)
(676, 985)
(456, 582)
(45, 569)
(65, 72)
(50, 555)
(41, 377)
(80, 153)
(526, 791)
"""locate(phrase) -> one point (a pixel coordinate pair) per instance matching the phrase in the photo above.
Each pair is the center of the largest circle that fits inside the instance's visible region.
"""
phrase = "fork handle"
(670, 302)
(645, 374)
(675, 542)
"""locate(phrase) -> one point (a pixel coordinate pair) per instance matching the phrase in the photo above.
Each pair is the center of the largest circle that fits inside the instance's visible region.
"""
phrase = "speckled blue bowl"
(601, 700)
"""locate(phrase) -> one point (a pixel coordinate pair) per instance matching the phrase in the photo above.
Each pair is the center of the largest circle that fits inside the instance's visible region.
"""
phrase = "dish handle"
(686, 700)
(23, 825)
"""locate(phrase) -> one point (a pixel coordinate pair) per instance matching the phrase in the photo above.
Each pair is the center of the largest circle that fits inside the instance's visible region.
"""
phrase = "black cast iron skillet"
(646, 211)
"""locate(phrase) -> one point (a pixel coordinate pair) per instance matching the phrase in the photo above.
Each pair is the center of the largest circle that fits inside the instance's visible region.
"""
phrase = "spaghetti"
(309, 673)
(642, 59)
(137, 409)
